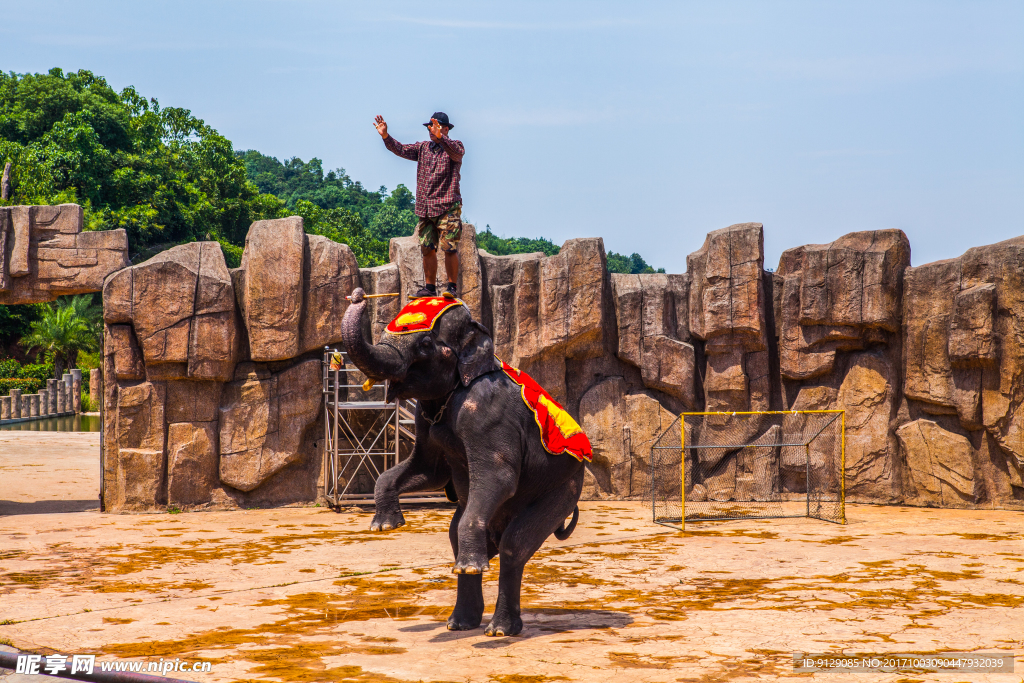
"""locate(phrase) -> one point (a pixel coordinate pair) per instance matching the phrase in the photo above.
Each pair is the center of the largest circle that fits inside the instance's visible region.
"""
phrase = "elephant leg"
(472, 556)
(424, 470)
(524, 535)
(469, 603)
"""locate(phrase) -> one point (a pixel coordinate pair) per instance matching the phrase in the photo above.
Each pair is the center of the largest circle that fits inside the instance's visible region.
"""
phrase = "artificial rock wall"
(213, 392)
(44, 253)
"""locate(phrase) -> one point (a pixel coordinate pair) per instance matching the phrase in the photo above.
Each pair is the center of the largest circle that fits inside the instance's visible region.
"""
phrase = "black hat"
(442, 118)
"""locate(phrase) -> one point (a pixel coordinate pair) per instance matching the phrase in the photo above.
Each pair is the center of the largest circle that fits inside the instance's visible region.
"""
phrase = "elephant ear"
(476, 353)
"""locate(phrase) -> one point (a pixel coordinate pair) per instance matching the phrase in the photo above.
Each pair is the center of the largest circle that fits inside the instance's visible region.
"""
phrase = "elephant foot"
(387, 520)
(471, 565)
(504, 625)
(459, 621)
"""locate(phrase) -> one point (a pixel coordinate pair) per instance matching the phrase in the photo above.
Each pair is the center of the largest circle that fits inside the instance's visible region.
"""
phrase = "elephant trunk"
(376, 361)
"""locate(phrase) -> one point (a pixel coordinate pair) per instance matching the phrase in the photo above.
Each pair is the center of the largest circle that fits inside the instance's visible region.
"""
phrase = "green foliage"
(64, 330)
(334, 204)
(392, 221)
(503, 246)
(633, 264)
(87, 360)
(39, 371)
(16, 320)
(160, 173)
(342, 225)
(232, 253)
(27, 386)
(295, 180)
(88, 307)
(87, 406)
(9, 368)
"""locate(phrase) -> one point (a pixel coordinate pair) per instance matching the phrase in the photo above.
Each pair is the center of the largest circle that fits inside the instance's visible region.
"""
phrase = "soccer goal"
(749, 465)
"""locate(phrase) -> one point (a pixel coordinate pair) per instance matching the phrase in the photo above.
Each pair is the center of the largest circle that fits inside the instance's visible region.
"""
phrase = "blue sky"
(646, 123)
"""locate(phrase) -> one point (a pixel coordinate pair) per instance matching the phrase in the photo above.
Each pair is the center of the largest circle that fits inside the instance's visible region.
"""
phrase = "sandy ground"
(307, 594)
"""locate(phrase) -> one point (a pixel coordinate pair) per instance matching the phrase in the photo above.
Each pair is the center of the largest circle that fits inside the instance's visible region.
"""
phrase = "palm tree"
(64, 330)
(89, 311)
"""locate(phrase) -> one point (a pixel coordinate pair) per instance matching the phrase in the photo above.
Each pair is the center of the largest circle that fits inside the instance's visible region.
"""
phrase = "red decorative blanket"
(559, 433)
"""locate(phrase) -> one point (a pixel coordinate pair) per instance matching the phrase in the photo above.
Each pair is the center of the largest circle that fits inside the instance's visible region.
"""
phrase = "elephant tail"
(563, 532)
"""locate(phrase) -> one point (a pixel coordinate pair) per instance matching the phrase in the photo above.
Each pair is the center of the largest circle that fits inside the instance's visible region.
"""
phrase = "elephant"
(476, 437)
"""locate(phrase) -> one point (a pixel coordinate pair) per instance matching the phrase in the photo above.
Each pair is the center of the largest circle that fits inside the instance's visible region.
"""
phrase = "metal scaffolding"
(362, 435)
(359, 435)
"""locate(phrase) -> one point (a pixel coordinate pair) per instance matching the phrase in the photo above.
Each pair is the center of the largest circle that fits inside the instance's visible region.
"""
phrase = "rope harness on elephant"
(440, 413)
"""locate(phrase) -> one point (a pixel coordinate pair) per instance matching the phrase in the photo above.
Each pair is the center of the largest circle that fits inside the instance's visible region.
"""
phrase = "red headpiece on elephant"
(421, 314)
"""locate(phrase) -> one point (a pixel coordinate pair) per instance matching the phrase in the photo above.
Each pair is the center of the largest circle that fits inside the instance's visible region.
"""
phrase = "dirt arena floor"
(308, 594)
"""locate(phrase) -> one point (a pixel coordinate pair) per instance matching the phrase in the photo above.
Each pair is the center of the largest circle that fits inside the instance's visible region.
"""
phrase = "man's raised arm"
(411, 152)
(455, 149)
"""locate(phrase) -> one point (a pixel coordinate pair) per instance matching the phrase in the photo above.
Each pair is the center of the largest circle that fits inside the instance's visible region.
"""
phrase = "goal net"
(716, 466)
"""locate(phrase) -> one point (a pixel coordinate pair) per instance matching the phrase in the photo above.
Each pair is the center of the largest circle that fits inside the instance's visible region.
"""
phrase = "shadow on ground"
(47, 507)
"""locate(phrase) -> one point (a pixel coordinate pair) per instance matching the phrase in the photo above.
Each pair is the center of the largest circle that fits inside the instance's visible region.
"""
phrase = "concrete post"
(62, 396)
(95, 388)
(33, 405)
(5, 407)
(15, 404)
(68, 380)
(76, 389)
(44, 403)
(51, 391)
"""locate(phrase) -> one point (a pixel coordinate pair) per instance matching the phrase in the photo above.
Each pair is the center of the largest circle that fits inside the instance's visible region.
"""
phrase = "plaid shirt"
(437, 173)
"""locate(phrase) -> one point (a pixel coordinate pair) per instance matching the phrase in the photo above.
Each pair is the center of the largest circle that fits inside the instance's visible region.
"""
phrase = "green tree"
(391, 221)
(63, 330)
(634, 264)
(503, 246)
(160, 173)
(402, 199)
(16, 321)
(88, 307)
(345, 226)
(295, 180)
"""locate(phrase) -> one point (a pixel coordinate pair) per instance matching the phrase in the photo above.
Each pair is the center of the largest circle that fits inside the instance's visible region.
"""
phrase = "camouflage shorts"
(441, 231)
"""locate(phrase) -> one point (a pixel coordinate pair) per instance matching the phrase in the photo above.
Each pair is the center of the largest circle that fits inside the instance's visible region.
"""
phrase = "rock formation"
(214, 396)
(837, 310)
(963, 360)
(212, 377)
(728, 315)
(44, 253)
(180, 306)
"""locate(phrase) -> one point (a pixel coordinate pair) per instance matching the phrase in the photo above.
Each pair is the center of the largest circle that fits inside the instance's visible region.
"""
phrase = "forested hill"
(167, 178)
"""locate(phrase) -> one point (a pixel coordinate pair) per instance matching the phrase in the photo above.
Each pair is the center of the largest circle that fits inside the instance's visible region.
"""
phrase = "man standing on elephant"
(438, 200)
